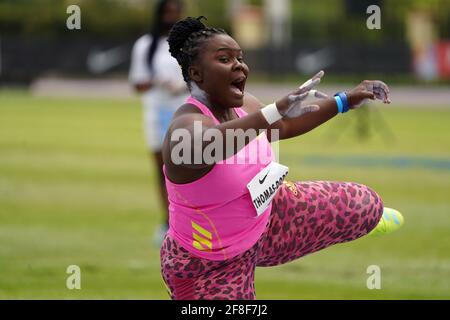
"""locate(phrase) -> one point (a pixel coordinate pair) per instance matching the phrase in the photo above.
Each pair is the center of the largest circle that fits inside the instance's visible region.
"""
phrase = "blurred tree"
(215, 11)
(440, 10)
(344, 20)
(312, 21)
(47, 18)
(359, 7)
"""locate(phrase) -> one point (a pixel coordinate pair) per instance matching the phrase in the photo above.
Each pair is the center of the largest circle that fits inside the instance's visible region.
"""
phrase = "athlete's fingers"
(308, 85)
(381, 94)
(318, 75)
(381, 84)
(383, 87)
(317, 94)
(298, 97)
(380, 89)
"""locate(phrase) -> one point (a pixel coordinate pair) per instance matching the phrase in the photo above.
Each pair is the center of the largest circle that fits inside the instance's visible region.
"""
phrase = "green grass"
(77, 187)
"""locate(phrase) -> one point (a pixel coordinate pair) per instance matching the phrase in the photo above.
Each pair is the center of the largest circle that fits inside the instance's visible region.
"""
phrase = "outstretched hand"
(291, 106)
(368, 89)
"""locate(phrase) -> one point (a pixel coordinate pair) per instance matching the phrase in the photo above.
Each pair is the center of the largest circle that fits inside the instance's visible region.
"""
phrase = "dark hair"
(159, 27)
(185, 40)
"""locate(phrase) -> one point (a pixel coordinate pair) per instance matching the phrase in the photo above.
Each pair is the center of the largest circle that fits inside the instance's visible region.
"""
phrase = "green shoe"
(389, 222)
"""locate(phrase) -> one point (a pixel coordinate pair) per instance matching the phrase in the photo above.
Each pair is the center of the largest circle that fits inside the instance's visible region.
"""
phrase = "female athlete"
(237, 212)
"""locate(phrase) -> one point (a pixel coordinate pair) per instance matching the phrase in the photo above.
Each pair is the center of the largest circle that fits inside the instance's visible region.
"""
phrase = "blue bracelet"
(343, 102)
(339, 103)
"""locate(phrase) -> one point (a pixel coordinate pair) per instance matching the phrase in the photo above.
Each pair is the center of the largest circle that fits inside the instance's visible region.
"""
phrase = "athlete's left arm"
(292, 127)
(367, 89)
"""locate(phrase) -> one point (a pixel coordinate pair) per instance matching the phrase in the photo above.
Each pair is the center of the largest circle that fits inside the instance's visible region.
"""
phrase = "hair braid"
(185, 40)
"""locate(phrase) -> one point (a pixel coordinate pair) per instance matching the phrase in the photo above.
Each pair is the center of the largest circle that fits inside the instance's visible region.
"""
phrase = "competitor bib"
(265, 184)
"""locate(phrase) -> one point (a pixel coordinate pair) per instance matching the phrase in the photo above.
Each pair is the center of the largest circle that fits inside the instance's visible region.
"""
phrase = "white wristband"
(271, 113)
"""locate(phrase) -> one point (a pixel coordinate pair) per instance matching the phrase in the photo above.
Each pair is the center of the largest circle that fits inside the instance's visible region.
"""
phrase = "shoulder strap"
(204, 109)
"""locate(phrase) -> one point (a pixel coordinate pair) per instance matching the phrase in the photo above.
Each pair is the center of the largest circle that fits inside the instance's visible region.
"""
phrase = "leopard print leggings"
(306, 217)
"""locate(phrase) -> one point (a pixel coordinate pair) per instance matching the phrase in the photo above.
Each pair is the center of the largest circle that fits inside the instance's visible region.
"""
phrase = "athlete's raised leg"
(309, 216)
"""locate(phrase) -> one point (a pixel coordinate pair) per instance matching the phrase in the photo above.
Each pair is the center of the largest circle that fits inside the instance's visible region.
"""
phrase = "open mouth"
(238, 85)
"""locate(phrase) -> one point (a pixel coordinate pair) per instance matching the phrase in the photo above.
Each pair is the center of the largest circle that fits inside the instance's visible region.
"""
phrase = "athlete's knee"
(371, 206)
(375, 201)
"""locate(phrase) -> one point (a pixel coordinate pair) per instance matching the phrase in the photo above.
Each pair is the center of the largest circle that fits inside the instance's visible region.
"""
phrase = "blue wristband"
(339, 103)
(343, 99)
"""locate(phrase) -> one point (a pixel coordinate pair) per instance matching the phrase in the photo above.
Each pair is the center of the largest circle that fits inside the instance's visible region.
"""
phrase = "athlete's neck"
(200, 95)
(222, 114)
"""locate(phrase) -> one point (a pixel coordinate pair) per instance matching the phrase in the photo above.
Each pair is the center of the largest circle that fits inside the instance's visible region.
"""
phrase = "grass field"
(77, 188)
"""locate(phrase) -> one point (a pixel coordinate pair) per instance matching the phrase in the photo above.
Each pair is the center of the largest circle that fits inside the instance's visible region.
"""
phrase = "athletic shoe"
(389, 222)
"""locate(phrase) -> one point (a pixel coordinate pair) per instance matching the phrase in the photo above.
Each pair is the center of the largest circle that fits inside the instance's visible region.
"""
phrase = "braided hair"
(159, 27)
(185, 39)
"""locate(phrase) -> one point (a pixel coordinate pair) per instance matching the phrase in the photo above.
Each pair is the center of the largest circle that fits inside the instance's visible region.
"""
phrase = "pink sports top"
(213, 217)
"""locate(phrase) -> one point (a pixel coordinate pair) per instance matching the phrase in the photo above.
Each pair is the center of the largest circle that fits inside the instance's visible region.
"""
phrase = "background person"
(156, 75)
